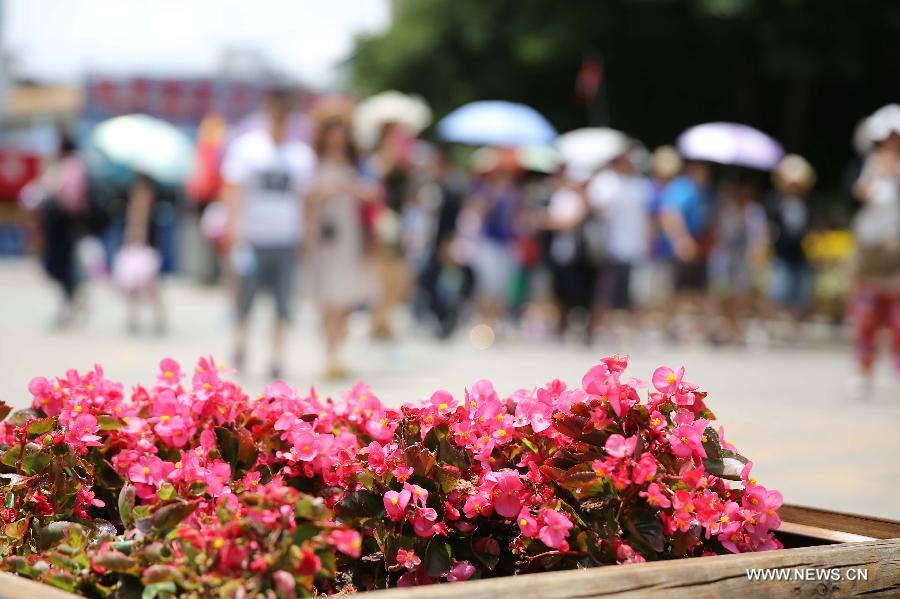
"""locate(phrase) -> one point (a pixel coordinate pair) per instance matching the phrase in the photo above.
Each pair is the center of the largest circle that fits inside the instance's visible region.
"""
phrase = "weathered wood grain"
(868, 526)
(16, 587)
(867, 543)
(706, 577)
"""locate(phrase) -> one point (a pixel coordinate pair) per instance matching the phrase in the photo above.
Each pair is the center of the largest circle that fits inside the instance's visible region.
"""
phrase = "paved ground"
(787, 409)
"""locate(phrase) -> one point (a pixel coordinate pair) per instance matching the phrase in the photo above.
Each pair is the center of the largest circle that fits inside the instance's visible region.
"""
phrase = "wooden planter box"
(827, 554)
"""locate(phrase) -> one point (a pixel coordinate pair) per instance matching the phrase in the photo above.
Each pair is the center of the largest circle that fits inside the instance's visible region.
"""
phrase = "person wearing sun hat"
(789, 222)
(335, 233)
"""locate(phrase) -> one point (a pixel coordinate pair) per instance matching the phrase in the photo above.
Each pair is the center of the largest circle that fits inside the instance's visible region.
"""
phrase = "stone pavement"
(787, 409)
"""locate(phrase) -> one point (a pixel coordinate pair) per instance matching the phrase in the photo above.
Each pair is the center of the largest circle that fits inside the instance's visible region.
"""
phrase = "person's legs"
(280, 263)
(894, 322)
(247, 285)
(866, 316)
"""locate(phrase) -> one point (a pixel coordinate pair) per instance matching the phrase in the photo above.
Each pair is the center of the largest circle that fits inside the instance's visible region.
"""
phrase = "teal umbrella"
(147, 145)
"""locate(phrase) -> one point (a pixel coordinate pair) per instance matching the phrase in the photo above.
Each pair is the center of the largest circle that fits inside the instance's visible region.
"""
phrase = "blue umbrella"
(496, 123)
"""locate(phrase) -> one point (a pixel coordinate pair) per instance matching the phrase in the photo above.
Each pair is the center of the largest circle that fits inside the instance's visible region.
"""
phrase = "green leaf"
(108, 423)
(20, 418)
(5, 409)
(17, 529)
(487, 550)
(104, 473)
(447, 477)
(437, 558)
(41, 426)
(159, 589)
(72, 533)
(419, 458)
(61, 580)
(646, 528)
(584, 483)
(166, 491)
(237, 448)
(360, 504)
(126, 504)
(115, 561)
(169, 516)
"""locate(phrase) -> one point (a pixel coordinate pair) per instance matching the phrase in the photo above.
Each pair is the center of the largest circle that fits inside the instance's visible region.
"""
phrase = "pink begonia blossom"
(346, 541)
(507, 492)
(619, 447)
(555, 527)
(655, 496)
(83, 431)
(460, 570)
(527, 524)
(478, 504)
(395, 503)
(408, 559)
(667, 380)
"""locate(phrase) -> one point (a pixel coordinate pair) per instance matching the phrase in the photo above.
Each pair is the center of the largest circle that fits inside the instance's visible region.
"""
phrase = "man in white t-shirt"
(266, 176)
(621, 198)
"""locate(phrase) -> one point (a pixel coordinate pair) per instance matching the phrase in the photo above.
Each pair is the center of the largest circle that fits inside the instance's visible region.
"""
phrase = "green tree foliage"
(803, 70)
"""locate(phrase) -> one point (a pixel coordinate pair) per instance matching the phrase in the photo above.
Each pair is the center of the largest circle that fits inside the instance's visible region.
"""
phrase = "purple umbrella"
(731, 143)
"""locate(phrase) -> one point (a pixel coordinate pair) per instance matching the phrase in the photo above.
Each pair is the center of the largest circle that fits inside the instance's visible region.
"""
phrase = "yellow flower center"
(77, 409)
(501, 432)
(523, 522)
(207, 386)
(443, 406)
(146, 470)
(218, 543)
(725, 519)
(655, 421)
(125, 419)
(168, 374)
(684, 439)
(165, 417)
(671, 378)
(394, 501)
(178, 465)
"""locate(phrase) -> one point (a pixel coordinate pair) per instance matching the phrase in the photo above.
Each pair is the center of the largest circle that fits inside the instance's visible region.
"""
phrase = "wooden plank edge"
(867, 526)
(718, 576)
(18, 587)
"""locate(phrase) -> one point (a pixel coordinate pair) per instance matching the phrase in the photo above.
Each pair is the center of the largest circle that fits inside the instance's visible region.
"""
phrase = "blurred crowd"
(585, 236)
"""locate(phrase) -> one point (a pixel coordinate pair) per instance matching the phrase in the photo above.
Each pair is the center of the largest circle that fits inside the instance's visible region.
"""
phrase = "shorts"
(690, 276)
(273, 270)
(791, 284)
(495, 266)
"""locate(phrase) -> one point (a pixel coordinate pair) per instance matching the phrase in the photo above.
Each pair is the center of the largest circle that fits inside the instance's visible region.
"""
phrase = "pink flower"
(443, 401)
(476, 505)
(534, 413)
(460, 570)
(346, 541)
(555, 529)
(169, 373)
(655, 496)
(305, 446)
(217, 476)
(285, 585)
(686, 441)
(644, 470)
(419, 495)
(395, 503)
(527, 524)
(423, 521)
(667, 380)
(310, 563)
(620, 447)
(408, 559)
(507, 492)
(82, 431)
